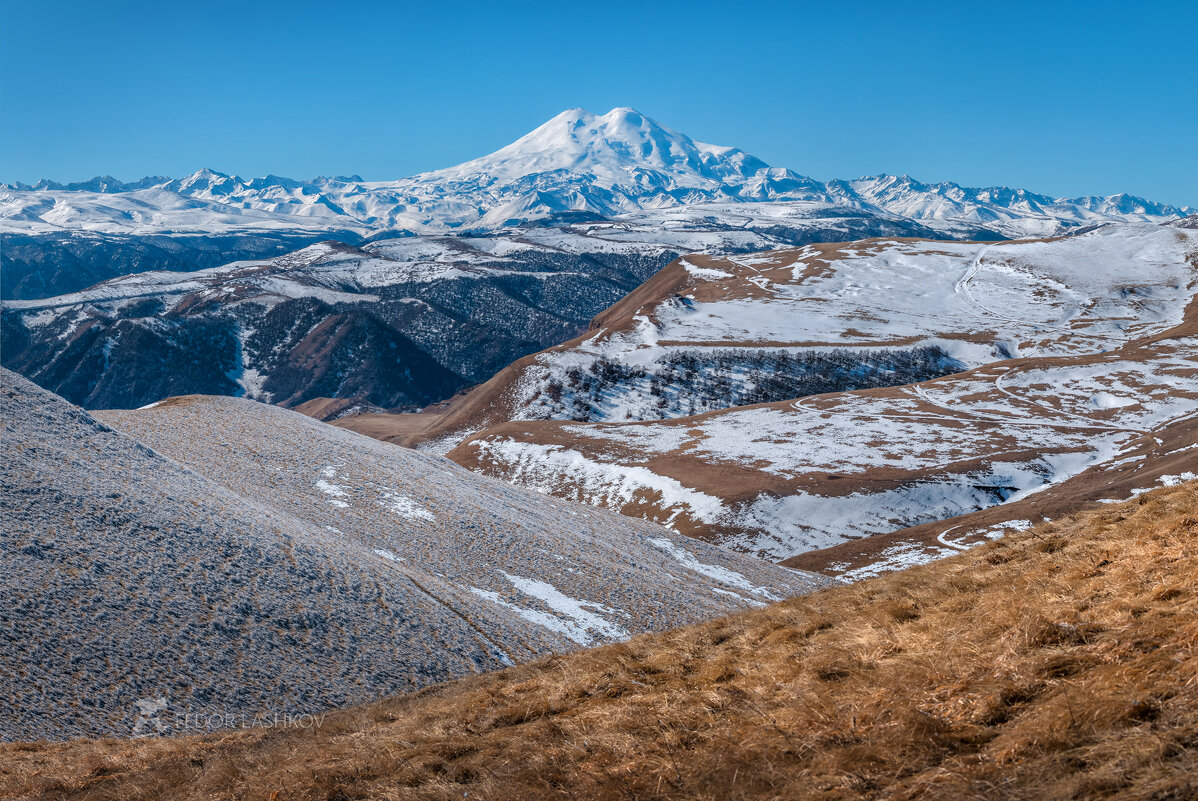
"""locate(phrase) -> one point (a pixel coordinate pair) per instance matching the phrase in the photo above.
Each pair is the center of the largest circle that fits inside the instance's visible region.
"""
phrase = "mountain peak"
(622, 150)
(204, 180)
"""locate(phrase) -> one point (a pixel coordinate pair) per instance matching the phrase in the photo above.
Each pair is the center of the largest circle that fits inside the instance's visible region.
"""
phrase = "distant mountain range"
(577, 162)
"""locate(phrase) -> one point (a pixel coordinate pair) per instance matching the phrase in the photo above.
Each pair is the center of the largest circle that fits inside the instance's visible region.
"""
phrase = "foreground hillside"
(220, 559)
(1056, 663)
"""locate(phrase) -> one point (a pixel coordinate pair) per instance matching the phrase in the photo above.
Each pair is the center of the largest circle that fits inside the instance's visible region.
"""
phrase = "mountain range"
(576, 163)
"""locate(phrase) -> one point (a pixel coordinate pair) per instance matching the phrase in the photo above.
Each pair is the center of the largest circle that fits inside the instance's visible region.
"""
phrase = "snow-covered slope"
(1082, 357)
(226, 562)
(610, 164)
(710, 332)
(789, 477)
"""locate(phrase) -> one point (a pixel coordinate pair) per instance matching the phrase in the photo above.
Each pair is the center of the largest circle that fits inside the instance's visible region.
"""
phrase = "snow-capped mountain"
(626, 162)
(608, 165)
(455, 272)
(612, 147)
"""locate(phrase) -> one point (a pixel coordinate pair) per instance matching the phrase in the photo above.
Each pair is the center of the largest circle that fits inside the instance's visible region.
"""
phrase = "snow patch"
(721, 574)
(706, 273)
(550, 468)
(405, 507)
(1164, 481)
(334, 492)
(793, 524)
(572, 618)
(898, 557)
(388, 555)
(1180, 478)
(1105, 400)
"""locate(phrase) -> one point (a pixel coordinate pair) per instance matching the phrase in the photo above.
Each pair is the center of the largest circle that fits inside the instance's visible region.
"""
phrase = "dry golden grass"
(1059, 663)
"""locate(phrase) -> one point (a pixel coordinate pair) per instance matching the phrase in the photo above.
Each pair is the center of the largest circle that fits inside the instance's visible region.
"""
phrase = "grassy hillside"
(1057, 663)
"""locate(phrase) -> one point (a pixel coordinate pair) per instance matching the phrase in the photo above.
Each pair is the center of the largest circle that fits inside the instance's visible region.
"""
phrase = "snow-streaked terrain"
(230, 555)
(396, 323)
(459, 271)
(1080, 349)
(320, 321)
(753, 317)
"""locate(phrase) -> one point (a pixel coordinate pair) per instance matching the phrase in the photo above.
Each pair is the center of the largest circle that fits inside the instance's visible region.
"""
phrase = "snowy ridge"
(825, 314)
(262, 320)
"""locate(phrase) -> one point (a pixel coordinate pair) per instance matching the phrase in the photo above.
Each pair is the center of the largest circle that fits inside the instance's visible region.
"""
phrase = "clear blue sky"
(1060, 97)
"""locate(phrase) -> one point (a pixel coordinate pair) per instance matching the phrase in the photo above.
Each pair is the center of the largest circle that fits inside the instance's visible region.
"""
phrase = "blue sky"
(1059, 97)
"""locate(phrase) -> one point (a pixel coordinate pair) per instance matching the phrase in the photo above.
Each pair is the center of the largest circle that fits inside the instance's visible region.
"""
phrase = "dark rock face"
(286, 332)
(329, 353)
(688, 383)
(106, 361)
(45, 265)
(306, 349)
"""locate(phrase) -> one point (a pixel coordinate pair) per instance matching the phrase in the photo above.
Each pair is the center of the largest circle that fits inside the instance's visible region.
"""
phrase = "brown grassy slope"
(1059, 663)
